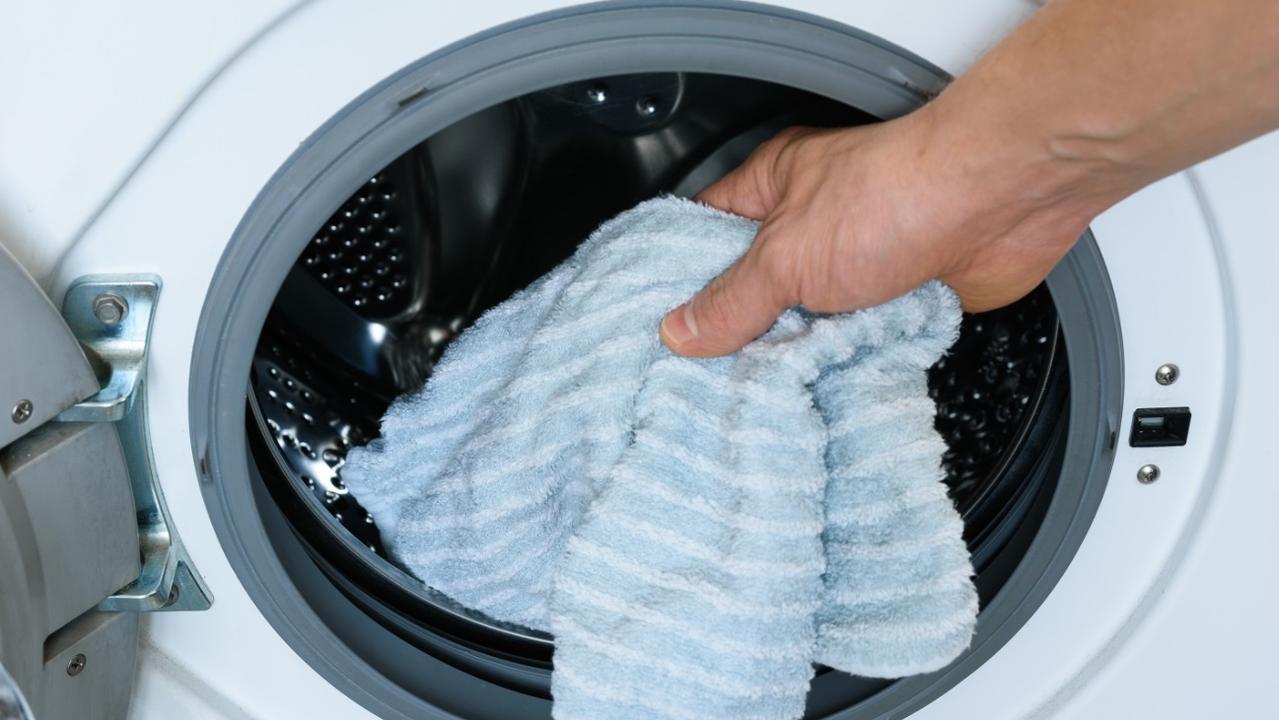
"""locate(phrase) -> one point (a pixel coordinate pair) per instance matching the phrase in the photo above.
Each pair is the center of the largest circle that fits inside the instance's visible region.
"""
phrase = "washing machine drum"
(481, 208)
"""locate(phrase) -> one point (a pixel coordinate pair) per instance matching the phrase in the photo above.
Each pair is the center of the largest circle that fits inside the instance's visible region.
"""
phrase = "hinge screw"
(1147, 474)
(110, 308)
(22, 411)
(1167, 374)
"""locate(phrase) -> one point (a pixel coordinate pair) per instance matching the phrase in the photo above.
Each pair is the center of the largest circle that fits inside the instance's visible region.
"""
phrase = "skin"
(990, 184)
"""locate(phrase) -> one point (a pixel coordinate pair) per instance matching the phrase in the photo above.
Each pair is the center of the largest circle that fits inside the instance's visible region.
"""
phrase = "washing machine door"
(85, 540)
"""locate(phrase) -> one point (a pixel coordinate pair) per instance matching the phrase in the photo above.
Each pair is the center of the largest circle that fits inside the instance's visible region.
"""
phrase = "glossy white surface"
(85, 90)
(1162, 262)
(1204, 645)
(1128, 608)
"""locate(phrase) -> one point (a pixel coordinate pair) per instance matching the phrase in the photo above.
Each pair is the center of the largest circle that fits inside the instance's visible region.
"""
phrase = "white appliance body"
(133, 141)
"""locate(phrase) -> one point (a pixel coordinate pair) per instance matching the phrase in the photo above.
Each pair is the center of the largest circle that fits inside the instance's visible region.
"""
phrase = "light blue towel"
(695, 533)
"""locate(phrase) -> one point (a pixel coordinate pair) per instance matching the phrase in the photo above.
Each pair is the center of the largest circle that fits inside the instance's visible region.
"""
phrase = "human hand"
(987, 186)
(854, 217)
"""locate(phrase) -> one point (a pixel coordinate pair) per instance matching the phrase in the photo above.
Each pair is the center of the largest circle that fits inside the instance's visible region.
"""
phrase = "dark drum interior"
(477, 211)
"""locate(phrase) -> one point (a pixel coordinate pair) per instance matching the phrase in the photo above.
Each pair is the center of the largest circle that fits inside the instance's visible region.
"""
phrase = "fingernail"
(679, 326)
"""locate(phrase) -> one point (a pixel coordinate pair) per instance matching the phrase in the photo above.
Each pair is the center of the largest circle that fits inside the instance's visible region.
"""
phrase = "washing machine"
(233, 233)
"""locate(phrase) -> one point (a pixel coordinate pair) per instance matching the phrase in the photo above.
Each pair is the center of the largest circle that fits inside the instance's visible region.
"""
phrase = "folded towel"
(695, 533)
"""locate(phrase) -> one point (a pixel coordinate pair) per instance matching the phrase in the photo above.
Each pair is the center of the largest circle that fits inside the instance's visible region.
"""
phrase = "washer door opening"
(482, 208)
(331, 302)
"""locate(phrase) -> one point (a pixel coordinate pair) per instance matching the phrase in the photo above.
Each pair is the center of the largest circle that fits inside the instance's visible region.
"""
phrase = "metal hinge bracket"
(111, 316)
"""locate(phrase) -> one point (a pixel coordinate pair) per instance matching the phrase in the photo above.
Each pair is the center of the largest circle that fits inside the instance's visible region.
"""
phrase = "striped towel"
(695, 533)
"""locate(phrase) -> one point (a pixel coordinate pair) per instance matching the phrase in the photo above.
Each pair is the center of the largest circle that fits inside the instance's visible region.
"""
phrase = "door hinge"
(111, 316)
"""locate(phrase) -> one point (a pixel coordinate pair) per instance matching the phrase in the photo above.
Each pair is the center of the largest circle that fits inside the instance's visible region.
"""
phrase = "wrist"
(1031, 149)
(1010, 165)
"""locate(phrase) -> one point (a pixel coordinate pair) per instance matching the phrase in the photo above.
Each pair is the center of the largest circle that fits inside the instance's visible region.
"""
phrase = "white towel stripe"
(871, 513)
(613, 695)
(928, 450)
(776, 398)
(764, 437)
(619, 282)
(437, 424)
(659, 488)
(471, 583)
(943, 537)
(955, 579)
(709, 555)
(721, 683)
(878, 630)
(572, 330)
(762, 485)
(714, 512)
(482, 553)
(718, 642)
(713, 595)
(543, 456)
(508, 506)
(880, 414)
(604, 393)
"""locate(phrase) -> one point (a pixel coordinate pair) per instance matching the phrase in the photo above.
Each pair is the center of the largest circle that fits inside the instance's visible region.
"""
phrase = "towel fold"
(695, 533)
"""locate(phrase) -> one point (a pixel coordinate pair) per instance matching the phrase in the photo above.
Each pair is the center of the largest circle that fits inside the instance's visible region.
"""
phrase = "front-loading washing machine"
(232, 235)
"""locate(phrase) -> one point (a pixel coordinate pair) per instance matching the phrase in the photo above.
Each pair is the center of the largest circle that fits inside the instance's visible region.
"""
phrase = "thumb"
(735, 308)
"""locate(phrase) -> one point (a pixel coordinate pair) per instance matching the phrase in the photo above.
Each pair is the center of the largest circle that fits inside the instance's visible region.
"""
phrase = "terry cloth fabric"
(695, 533)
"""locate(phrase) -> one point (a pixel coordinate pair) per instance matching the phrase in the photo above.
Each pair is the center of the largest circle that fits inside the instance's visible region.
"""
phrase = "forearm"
(1090, 100)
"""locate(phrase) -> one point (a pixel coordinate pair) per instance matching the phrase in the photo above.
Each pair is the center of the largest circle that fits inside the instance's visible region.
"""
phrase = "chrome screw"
(22, 411)
(1147, 474)
(76, 666)
(110, 308)
(597, 94)
(1167, 374)
(646, 106)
